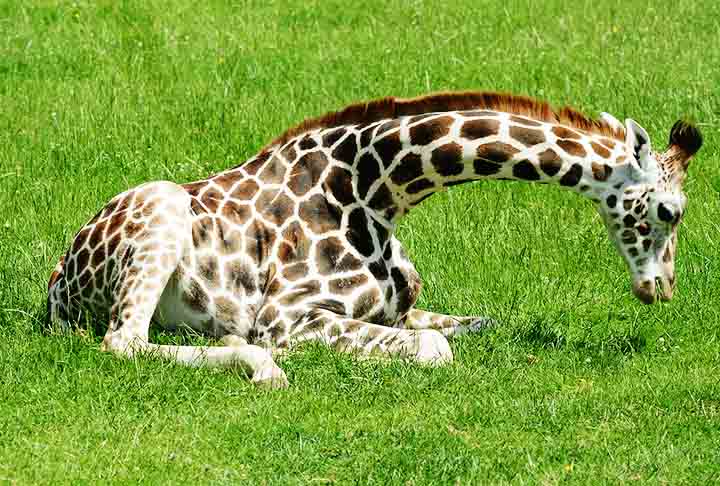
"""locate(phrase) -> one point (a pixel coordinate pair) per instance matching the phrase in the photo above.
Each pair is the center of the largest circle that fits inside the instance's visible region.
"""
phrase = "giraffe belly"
(187, 303)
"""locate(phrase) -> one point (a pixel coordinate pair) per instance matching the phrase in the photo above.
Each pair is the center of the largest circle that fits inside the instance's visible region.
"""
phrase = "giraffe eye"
(666, 214)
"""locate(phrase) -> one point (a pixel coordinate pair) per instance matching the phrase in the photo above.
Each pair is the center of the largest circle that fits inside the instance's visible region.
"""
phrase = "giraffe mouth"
(644, 290)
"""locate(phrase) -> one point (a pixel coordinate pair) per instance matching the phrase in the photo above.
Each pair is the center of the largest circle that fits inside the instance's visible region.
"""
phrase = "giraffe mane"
(391, 107)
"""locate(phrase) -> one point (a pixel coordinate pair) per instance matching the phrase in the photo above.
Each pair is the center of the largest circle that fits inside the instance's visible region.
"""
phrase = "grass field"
(580, 383)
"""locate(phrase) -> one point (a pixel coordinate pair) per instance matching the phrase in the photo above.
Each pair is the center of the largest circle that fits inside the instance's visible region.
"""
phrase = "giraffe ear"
(638, 143)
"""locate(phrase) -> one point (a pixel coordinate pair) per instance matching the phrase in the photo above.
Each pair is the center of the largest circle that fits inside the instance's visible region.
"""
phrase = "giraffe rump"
(392, 107)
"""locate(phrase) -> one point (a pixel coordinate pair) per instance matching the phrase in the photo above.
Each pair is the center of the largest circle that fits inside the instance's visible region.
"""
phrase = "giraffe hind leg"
(449, 326)
(143, 272)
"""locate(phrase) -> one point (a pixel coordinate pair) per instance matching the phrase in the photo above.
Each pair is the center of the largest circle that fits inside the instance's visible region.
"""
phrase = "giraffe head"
(643, 204)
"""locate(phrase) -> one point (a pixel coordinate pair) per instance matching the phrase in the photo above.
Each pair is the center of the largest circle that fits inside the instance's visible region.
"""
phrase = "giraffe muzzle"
(644, 290)
(650, 291)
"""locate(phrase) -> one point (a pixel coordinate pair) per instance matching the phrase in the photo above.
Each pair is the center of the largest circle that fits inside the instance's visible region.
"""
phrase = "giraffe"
(297, 243)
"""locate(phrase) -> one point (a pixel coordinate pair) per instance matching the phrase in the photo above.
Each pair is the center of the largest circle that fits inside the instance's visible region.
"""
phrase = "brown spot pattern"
(628, 237)
(307, 143)
(245, 190)
(601, 172)
(425, 132)
(346, 151)
(97, 234)
(295, 271)
(225, 309)
(208, 269)
(526, 171)
(474, 129)
(237, 214)
(297, 240)
(259, 241)
(346, 285)
(273, 172)
(572, 148)
(320, 215)
(202, 230)
(497, 152)
(368, 171)
(485, 168)
(382, 198)
(195, 297)
(358, 234)
(387, 148)
(327, 254)
(226, 181)
(212, 198)
(306, 172)
(339, 182)
(330, 138)
(387, 126)
(266, 317)
(281, 208)
(240, 277)
(564, 132)
(550, 162)
(525, 121)
(252, 166)
(419, 186)
(447, 159)
(300, 293)
(527, 136)
(572, 176)
(409, 168)
(365, 303)
(600, 150)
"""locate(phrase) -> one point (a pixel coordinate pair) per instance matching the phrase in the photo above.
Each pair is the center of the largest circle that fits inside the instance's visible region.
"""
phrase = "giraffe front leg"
(448, 325)
(426, 346)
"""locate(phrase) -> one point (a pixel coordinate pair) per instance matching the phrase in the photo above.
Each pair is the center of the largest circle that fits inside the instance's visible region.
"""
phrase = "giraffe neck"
(409, 159)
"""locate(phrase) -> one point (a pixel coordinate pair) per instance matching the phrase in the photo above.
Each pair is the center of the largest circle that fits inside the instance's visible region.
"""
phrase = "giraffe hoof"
(481, 323)
(433, 348)
(271, 377)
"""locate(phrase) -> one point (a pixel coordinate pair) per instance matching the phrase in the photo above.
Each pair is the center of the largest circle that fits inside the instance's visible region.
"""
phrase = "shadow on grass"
(545, 335)
(94, 327)
(542, 335)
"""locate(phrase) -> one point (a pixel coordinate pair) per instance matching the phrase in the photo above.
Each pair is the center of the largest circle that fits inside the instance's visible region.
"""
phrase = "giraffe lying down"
(297, 244)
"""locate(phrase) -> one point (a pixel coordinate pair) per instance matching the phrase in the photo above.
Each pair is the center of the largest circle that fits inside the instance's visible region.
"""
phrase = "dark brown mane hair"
(391, 107)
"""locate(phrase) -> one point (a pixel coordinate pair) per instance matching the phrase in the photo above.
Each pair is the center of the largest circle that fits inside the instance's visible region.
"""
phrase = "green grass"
(580, 384)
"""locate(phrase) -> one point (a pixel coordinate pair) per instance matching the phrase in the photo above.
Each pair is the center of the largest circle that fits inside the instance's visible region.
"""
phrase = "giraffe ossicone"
(297, 244)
